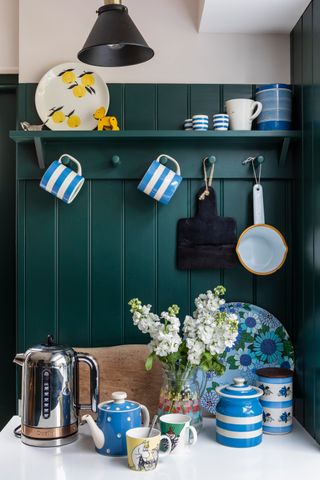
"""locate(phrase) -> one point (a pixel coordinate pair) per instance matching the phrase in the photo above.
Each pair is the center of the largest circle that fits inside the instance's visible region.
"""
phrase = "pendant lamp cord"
(208, 182)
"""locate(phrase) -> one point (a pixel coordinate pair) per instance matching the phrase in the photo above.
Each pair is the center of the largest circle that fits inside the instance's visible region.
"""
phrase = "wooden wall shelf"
(253, 138)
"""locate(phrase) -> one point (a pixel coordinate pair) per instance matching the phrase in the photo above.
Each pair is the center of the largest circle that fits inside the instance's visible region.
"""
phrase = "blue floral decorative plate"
(262, 342)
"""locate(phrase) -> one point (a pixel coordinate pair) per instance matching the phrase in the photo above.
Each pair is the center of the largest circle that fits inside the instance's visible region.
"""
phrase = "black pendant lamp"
(114, 40)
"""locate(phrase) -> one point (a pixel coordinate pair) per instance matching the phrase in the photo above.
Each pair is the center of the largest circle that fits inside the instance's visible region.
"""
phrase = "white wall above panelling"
(250, 16)
(52, 32)
(9, 33)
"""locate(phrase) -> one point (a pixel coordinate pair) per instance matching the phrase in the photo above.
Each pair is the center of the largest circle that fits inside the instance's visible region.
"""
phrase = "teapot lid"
(119, 403)
(239, 390)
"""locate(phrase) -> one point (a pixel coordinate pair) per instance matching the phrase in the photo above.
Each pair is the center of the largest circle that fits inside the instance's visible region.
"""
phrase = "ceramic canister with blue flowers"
(276, 401)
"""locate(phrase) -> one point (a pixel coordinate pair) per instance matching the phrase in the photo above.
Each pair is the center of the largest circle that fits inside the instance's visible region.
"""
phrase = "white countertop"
(295, 456)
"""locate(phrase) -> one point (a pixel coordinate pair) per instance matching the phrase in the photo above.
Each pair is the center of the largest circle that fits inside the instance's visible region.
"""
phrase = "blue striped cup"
(221, 121)
(276, 401)
(61, 181)
(239, 415)
(160, 182)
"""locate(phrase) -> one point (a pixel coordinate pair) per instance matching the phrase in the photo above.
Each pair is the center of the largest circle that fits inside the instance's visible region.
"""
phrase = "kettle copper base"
(47, 437)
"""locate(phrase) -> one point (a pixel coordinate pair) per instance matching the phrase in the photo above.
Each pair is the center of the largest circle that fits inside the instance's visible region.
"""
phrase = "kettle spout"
(97, 434)
(19, 359)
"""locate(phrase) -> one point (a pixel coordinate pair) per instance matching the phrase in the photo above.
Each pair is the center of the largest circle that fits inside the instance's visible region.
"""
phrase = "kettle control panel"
(46, 394)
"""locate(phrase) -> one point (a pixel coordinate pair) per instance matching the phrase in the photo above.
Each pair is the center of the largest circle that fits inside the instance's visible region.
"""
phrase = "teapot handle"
(94, 381)
(146, 416)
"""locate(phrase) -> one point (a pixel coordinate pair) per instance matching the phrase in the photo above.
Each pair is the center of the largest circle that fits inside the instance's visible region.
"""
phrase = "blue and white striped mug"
(160, 182)
(61, 181)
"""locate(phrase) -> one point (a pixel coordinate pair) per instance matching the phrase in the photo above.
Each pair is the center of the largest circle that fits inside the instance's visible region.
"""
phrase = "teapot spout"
(97, 434)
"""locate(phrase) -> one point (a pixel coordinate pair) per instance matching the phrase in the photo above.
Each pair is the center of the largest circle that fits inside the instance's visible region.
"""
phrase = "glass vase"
(181, 393)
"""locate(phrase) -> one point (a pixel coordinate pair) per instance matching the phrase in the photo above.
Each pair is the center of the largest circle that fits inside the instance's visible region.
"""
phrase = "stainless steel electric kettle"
(50, 393)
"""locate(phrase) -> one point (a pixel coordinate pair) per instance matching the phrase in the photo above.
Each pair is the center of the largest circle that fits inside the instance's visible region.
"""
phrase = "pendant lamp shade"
(114, 40)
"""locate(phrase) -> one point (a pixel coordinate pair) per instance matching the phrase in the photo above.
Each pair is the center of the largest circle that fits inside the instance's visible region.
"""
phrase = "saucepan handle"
(258, 206)
(94, 382)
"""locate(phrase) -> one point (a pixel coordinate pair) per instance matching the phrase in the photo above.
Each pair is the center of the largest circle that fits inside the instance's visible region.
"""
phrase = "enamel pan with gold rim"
(261, 248)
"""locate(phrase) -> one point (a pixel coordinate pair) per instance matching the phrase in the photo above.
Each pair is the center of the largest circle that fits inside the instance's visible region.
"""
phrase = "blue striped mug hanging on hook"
(62, 181)
(159, 181)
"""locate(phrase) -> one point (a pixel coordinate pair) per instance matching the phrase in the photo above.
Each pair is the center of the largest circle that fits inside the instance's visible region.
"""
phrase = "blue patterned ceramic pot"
(239, 415)
(115, 418)
(276, 401)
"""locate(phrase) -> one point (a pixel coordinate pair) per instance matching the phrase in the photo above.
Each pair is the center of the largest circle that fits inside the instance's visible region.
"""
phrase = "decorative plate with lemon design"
(68, 96)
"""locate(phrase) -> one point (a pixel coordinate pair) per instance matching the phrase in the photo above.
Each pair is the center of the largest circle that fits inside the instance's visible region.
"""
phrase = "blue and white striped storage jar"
(276, 102)
(276, 401)
(239, 415)
(160, 182)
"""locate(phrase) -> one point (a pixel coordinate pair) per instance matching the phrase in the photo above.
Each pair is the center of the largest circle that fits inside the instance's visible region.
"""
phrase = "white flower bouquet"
(198, 343)
(205, 335)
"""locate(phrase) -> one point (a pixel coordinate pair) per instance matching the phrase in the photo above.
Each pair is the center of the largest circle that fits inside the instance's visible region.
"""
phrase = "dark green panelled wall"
(78, 265)
(8, 86)
(305, 61)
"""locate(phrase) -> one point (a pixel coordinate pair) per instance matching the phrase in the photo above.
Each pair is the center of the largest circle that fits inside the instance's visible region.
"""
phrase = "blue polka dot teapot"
(115, 418)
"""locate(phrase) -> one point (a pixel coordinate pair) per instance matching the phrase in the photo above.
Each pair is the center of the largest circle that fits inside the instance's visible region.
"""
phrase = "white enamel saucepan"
(261, 248)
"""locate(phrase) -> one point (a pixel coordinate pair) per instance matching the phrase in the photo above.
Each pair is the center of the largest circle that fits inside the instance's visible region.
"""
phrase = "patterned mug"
(144, 448)
(61, 181)
(178, 429)
(160, 182)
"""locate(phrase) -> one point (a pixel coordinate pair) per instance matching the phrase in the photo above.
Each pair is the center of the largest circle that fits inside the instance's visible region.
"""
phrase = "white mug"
(241, 112)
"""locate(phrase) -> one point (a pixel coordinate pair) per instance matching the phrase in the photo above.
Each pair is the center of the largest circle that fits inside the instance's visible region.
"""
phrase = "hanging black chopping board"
(207, 240)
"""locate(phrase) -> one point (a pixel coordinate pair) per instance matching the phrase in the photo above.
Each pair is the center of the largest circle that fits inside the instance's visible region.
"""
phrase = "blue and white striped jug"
(160, 182)
(239, 415)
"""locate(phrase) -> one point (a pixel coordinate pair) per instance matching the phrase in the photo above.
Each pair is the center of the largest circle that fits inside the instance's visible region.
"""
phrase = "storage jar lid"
(274, 372)
(273, 85)
(119, 403)
(239, 390)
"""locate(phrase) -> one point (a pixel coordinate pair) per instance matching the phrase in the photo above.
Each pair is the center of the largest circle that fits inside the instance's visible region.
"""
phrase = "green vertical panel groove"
(238, 204)
(139, 107)
(116, 102)
(74, 270)
(172, 106)
(172, 284)
(107, 261)
(39, 265)
(205, 99)
(139, 244)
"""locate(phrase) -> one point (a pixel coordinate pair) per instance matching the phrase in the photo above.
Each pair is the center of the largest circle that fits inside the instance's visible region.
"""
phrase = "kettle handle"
(94, 382)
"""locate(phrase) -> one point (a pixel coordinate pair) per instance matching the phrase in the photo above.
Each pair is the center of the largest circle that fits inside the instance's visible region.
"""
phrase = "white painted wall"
(52, 31)
(9, 34)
